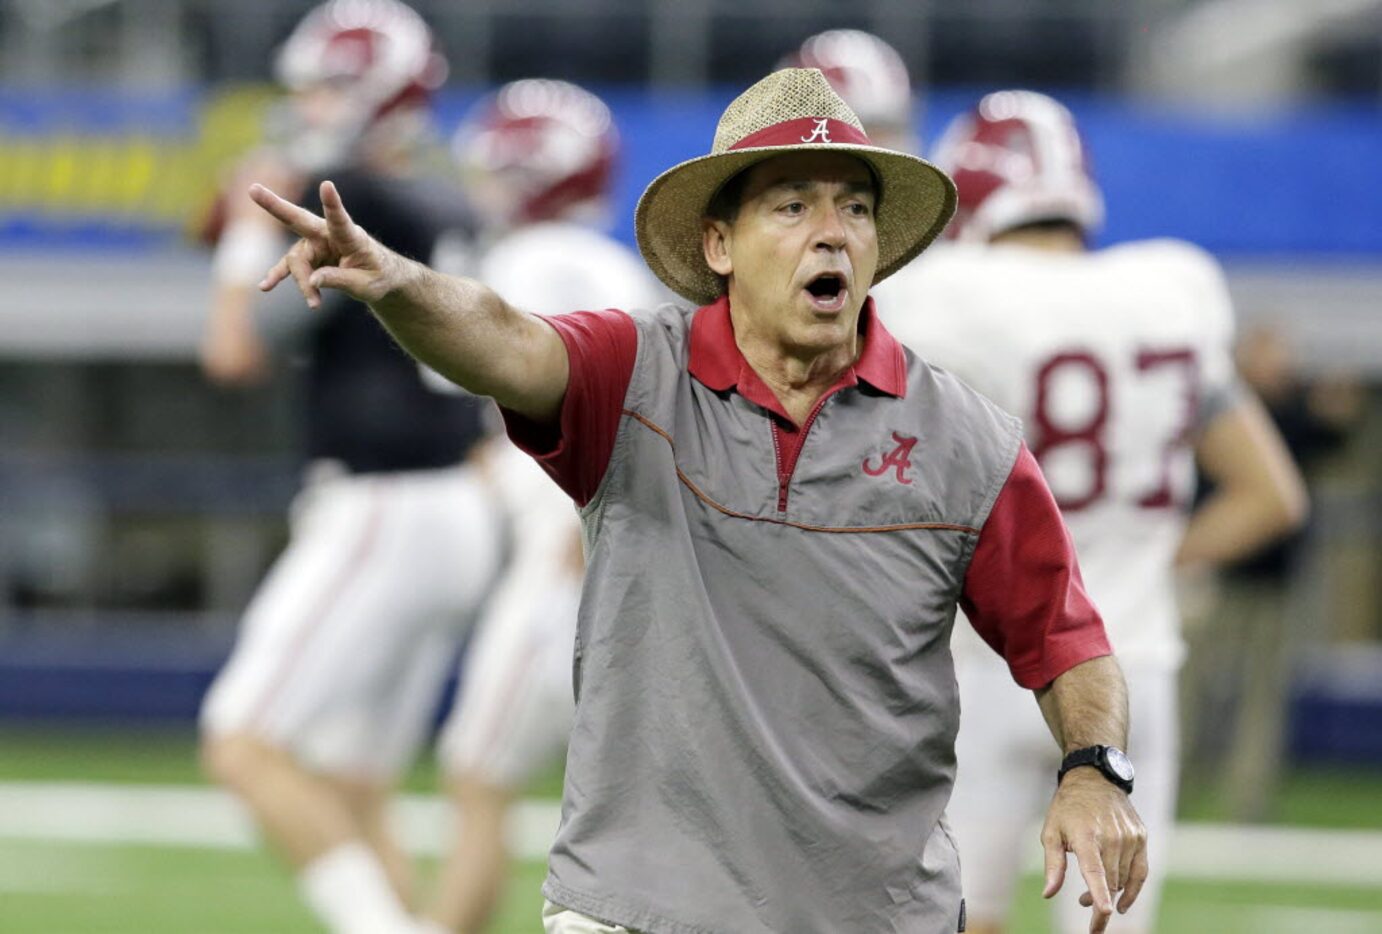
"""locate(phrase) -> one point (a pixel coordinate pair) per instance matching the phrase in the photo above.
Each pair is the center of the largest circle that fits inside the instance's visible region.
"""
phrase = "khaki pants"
(559, 920)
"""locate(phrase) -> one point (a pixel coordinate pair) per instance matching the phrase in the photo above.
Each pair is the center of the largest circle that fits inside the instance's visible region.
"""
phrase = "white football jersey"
(552, 268)
(556, 267)
(549, 269)
(1114, 359)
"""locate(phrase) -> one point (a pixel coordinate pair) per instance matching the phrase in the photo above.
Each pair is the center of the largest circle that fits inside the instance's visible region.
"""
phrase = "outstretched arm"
(458, 327)
(1089, 815)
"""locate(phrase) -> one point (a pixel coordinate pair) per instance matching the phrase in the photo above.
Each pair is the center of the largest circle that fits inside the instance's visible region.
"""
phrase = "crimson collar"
(716, 361)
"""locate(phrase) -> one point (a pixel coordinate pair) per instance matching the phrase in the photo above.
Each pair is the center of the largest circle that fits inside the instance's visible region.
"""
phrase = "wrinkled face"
(801, 253)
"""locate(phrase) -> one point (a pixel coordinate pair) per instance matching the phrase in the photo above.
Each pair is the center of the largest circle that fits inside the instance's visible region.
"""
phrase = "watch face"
(1118, 763)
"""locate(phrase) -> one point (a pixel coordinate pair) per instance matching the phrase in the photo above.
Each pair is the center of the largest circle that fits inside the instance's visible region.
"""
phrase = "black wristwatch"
(1111, 762)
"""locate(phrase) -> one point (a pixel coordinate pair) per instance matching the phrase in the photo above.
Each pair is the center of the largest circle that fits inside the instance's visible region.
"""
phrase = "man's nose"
(830, 233)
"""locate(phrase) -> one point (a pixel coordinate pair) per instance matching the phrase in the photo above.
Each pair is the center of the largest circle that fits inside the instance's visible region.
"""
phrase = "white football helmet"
(537, 150)
(352, 65)
(871, 77)
(1018, 158)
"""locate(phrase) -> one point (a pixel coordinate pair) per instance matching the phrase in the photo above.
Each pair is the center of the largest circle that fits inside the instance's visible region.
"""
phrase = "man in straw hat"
(782, 509)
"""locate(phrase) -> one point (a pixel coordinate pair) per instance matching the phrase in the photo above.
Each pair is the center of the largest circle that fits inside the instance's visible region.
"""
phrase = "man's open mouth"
(827, 291)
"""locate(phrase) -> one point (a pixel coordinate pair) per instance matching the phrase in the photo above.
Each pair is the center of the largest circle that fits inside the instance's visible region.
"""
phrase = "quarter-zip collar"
(717, 362)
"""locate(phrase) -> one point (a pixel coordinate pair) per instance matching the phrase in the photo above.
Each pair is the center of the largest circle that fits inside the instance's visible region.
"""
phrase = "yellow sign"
(133, 178)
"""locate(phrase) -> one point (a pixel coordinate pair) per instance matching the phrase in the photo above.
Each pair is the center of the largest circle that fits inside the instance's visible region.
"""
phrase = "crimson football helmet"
(537, 150)
(870, 76)
(352, 65)
(1017, 159)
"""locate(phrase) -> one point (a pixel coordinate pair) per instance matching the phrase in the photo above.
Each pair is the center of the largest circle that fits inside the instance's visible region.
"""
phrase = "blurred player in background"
(871, 77)
(345, 649)
(538, 159)
(1118, 360)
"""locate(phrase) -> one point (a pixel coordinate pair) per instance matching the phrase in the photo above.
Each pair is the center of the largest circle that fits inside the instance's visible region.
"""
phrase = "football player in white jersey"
(344, 652)
(1118, 361)
(538, 157)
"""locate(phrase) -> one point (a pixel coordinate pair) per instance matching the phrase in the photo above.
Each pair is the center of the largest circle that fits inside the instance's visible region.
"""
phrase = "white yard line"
(202, 817)
(165, 815)
(1272, 854)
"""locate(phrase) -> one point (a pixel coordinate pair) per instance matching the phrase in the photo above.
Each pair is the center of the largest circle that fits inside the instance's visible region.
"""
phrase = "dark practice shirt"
(1309, 438)
(367, 404)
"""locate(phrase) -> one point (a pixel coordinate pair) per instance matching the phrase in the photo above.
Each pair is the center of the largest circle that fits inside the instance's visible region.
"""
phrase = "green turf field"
(49, 886)
(1316, 798)
(162, 890)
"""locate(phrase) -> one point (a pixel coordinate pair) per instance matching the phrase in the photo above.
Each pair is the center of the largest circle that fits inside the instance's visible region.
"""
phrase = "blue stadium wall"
(1295, 183)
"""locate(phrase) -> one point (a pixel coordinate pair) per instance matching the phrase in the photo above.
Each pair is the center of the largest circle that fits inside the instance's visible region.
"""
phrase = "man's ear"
(715, 241)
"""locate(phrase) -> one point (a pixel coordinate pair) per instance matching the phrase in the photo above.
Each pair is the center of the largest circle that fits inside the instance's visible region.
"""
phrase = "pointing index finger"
(297, 219)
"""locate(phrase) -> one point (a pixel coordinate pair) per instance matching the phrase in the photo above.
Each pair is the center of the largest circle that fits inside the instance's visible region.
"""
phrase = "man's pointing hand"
(332, 253)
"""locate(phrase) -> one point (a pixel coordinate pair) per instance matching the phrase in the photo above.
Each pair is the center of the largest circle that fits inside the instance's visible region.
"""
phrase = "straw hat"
(790, 110)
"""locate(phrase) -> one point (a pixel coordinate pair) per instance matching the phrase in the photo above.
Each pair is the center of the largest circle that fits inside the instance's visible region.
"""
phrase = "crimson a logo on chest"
(896, 462)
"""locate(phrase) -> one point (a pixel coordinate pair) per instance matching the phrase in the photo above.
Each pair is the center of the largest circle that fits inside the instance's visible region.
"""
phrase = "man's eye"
(793, 207)
(859, 209)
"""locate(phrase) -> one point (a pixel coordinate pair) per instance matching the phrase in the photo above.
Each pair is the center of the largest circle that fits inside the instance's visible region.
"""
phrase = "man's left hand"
(1094, 819)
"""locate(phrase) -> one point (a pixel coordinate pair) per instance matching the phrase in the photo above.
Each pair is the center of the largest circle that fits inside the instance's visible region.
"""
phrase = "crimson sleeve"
(1023, 593)
(575, 449)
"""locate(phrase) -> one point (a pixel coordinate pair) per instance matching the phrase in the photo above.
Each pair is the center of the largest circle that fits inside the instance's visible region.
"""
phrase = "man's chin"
(825, 332)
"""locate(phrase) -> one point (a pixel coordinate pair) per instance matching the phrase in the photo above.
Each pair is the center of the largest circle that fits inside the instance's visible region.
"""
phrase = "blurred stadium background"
(139, 507)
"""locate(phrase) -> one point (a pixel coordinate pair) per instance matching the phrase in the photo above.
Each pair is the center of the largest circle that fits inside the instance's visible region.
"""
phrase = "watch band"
(1096, 756)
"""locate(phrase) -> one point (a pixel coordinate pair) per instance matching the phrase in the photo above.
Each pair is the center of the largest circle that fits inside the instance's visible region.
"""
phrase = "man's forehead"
(803, 169)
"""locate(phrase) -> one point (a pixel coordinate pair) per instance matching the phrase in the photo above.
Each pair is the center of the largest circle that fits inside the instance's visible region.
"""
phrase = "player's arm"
(1258, 495)
(232, 353)
(232, 350)
(458, 327)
